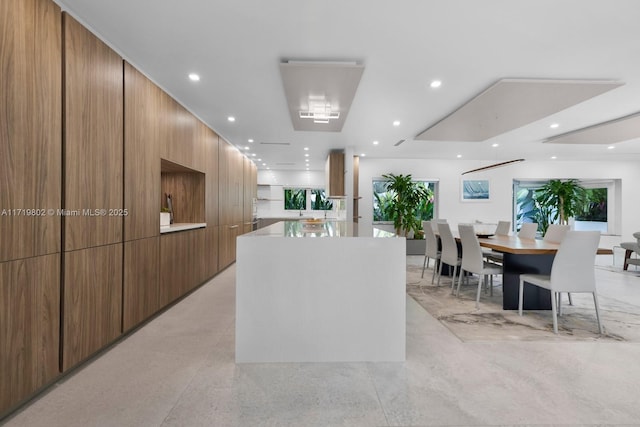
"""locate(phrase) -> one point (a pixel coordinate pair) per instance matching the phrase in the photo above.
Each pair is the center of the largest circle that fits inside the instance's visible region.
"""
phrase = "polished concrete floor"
(179, 370)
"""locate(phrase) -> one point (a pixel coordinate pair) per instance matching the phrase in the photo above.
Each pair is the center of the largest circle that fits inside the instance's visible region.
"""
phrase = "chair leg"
(439, 273)
(424, 265)
(569, 295)
(435, 264)
(627, 255)
(453, 279)
(595, 301)
(554, 312)
(559, 303)
(482, 279)
(459, 280)
(491, 284)
(520, 292)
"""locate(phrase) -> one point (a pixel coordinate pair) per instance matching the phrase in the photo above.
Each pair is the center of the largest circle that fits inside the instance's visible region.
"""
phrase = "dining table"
(524, 256)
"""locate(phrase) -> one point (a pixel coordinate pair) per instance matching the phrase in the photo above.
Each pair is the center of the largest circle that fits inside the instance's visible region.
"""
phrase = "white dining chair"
(503, 229)
(572, 271)
(431, 250)
(555, 233)
(473, 260)
(528, 230)
(449, 253)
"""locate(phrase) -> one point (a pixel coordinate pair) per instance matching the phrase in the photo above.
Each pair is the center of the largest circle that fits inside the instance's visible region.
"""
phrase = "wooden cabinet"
(141, 282)
(182, 266)
(228, 234)
(30, 127)
(93, 146)
(211, 176)
(29, 327)
(250, 193)
(230, 176)
(92, 302)
(334, 174)
(142, 109)
(180, 143)
(211, 250)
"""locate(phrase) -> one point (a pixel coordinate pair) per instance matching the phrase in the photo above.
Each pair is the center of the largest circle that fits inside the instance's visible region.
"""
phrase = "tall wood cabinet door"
(30, 127)
(93, 126)
(180, 144)
(141, 281)
(92, 302)
(226, 191)
(212, 238)
(211, 177)
(228, 235)
(182, 265)
(29, 327)
(142, 109)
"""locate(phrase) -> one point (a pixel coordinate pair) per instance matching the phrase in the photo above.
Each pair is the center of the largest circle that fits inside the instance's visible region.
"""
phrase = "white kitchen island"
(320, 293)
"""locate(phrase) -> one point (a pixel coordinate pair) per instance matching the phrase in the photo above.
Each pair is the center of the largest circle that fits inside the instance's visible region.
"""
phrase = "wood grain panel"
(211, 178)
(92, 302)
(29, 327)
(141, 281)
(93, 126)
(30, 126)
(212, 238)
(188, 193)
(181, 263)
(179, 144)
(250, 188)
(225, 153)
(142, 112)
(227, 245)
(334, 172)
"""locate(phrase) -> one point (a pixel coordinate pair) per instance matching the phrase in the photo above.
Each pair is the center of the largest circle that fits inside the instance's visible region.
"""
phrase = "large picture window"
(301, 199)
(382, 200)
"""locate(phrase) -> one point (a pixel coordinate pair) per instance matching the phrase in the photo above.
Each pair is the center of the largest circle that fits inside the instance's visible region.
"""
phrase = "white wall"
(448, 173)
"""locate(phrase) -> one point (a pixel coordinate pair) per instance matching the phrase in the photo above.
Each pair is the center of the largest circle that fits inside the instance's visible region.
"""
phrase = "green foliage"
(406, 203)
(594, 207)
(319, 201)
(560, 200)
(295, 199)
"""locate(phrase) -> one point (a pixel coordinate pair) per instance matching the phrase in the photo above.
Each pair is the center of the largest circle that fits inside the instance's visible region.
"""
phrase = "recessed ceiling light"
(306, 160)
(553, 157)
(194, 77)
(264, 164)
(306, 155)
(435, 84)
(246, 148)
(376, 142)
(306, 148)
(250, 141)
(611, 147)
(459, 156)
(396, 123)
(258, 160)
(362, 155)
(231, 119)
(554, 125)
(253, 154)
(494, 145)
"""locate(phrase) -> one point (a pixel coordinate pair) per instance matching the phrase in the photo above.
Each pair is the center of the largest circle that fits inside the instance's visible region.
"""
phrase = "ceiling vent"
(275, 143)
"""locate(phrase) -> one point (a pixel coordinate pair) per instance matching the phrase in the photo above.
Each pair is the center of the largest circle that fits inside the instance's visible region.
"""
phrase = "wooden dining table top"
(516, 245)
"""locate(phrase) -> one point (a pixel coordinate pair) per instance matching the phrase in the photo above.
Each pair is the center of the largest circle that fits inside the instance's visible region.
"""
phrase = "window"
(382, 199)
(596, 212)
(301, 199)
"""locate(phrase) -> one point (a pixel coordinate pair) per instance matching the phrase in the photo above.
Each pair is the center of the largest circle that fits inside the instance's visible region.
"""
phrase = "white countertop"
(181, 226)
(323, 228)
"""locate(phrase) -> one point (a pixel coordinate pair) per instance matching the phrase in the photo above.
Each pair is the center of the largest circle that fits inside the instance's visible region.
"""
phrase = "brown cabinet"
(230, 185)
(250, 193)
(141, 282)
(180, 143)
(31, 128)
(143, 113)
(334, 174)
(29, 327)
(182, 266)
(228, 234)
(93, 146)
(92, 302)
(210, 139)
(211, 250)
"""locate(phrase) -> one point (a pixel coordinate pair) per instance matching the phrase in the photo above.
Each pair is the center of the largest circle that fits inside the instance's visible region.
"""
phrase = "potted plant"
(165, 217)
(407, 196)
(558, 201)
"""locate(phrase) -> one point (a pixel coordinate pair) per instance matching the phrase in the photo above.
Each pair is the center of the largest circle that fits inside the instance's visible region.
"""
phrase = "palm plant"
(407, 196)
(560, 199)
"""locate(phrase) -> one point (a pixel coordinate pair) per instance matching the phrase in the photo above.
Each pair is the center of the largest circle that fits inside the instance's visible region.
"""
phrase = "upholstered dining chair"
(630, 248)
(572, 271)
(431, 250)
(555, 233)
(449, 253)
(473, 260)
(503, 229)
(528, 230)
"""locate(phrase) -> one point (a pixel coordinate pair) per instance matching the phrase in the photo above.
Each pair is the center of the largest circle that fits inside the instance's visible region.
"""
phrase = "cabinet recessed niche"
(187, 190)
